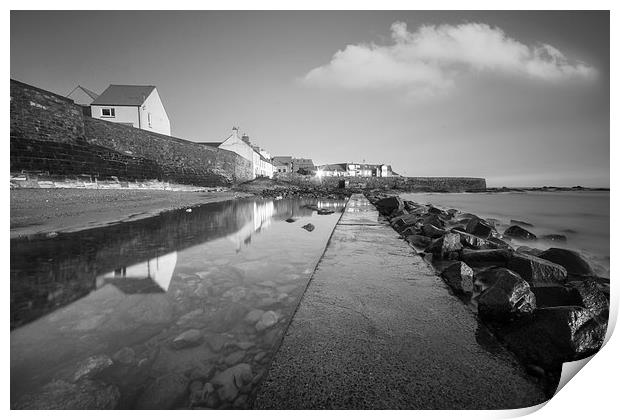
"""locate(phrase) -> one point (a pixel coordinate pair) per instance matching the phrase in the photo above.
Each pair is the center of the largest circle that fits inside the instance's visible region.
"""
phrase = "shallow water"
(582, 216)
(233, 271)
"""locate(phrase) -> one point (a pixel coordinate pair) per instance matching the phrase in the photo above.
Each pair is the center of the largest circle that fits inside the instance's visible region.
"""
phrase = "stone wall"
(51, 134)
(439, 184)
(37, 114)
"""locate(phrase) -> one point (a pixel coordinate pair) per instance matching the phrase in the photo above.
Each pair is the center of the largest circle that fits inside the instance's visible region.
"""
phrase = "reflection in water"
(228, 276)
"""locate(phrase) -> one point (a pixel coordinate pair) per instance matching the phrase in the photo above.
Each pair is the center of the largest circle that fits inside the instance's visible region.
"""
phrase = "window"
(107, 112)
(149, 118)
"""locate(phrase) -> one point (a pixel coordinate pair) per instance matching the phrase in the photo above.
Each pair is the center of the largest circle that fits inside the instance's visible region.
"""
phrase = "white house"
(260, 159)
(137, 106)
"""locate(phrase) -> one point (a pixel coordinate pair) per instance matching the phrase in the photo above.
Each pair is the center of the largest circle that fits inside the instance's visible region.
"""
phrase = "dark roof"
(334, 167)
(89, 92)
(211, 143)
(124, 95)
(285, 160)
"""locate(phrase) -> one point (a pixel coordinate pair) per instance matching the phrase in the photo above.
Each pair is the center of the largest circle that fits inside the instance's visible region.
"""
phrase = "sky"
(519, 98)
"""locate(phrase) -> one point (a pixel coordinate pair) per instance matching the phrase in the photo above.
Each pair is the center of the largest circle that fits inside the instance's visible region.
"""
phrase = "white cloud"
(432, 58)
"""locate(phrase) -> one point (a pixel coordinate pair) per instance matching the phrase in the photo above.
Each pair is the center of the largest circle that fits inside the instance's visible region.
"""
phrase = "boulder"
(531, 251)
(537, 271)
(440, 247)
(509, 296)
(432, 231)
(520, 223)
(291, 220)
(324, 212)
(163, 393)
(434, 220)
(231, 380)
(572, 261)
(254, 316)
(555, 335)
(460, 277)
(387, 205)
(554, 238)
(309, 227)
(551, 296)
(234, 358)
(592, 298)
(475, 242)
(410, 230)
(418, 241)
(479, 227)
(186, 339)
(518, 232)
(92, 366)
(435, 210)
(125, 356)
(61, 395)
(482, 257)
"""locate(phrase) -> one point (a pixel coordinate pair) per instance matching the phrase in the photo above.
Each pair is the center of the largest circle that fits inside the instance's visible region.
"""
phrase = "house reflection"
(151, 276)
(262, 215)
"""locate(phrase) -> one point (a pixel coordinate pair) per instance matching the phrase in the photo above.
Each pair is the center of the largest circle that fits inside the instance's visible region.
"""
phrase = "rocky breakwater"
(546, 306)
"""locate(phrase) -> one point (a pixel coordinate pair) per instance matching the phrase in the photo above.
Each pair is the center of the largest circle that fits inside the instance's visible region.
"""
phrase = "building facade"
(282, 164)
(356, 169)
(133, 105)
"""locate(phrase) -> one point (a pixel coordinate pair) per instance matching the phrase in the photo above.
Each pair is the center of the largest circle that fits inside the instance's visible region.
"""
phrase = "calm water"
(233, 272)
(583, 216)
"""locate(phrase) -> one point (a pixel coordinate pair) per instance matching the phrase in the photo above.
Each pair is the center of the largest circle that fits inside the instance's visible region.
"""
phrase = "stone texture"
(518, 232)
(231, 380)
(571, 260)
(189, 338)
(92, 366)
(479, 227)
(163, 393)
(509, 296)
(459, 276)
(537, 271)
(61, 395)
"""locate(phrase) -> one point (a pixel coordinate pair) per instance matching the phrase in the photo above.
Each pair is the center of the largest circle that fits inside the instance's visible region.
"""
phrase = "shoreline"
(47, 212)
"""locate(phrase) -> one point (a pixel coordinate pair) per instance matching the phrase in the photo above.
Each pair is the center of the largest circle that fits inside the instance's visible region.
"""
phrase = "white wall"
(123, 114)
(235, 144)
(159, 118)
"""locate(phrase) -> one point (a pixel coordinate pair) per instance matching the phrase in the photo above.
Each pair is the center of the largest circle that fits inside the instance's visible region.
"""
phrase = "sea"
(582, 216)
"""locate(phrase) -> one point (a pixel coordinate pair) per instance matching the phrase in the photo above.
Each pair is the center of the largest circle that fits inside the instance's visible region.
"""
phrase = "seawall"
(436, 184)
(51, 134)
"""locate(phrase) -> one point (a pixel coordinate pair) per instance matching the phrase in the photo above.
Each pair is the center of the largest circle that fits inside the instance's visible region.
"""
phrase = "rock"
(125, 356)
(267, 320)
(291, 220)
(509, 296)
(230, 380)
(572, 261)
(189, 338)
(92, 366)
(418, 241)
(518, 232)
(554, 238)
(234, 358)
(592, 298)
(210, 396)
(241, 402)
(432, 231)
(202, 373)
(537, 271)
(387, 205)
(401, 222)
(190, 315)
(254, 316)
(243, 345)
(479, 227)
(309, 227)
(459, 276)
(450, 242)
(163, 393)
(435, 210)
(520, 223)
(555, 335)
(323, 212)
(434, 220)
(531, 251)
(475, 242)
(61, 395)
(260, 356)
(500, 243)
(216, 342)
(481, 257)
(551, 296)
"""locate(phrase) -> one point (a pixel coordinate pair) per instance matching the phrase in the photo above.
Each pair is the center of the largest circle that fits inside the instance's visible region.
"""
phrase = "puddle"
(184, 309)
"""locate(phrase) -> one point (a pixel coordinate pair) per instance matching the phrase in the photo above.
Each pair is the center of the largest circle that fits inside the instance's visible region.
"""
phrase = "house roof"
(88, 92)
(211, 143)
(284, 160)
(334, 167)
(124, 95)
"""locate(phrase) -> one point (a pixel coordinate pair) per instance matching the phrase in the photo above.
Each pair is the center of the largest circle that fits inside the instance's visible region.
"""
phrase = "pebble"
(125, 356)
(268, 319)
(254, 316)
(216, 342)
(234, 358)
(189, 338)
(92, 366)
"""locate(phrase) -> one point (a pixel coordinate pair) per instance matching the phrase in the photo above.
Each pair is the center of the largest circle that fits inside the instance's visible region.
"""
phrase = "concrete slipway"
(377, 329)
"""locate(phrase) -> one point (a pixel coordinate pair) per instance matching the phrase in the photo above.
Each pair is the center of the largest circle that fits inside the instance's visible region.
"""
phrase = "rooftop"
(124, 95)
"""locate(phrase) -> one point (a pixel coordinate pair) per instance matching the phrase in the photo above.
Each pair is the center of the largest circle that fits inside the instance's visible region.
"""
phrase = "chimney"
(235, 131)
(245, 138)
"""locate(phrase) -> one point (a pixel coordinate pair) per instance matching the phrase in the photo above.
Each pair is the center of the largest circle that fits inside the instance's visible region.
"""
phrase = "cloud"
(433, 58)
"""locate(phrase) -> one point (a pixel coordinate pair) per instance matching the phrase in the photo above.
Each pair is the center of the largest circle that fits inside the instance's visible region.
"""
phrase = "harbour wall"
(50, 134)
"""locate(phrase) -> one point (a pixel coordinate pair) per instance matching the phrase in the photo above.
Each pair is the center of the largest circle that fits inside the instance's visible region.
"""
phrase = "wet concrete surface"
(376, 328)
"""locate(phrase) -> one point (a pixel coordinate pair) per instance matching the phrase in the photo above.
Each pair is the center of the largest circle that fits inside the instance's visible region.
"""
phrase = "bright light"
(319, 173)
